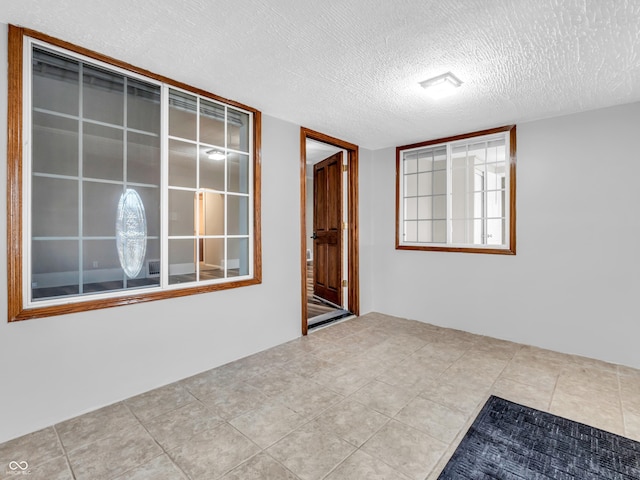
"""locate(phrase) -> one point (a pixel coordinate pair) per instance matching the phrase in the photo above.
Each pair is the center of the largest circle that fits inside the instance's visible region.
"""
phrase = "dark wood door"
(327, 229)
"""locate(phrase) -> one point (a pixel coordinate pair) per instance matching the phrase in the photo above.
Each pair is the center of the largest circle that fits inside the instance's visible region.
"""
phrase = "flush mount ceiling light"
(442, 85)
(215, 155)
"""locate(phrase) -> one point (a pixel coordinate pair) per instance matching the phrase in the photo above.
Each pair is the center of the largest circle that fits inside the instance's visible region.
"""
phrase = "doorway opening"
(329, 229)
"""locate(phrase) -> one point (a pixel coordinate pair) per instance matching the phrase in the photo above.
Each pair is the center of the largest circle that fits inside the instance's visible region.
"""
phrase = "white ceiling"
(318, 151)
(351, 68)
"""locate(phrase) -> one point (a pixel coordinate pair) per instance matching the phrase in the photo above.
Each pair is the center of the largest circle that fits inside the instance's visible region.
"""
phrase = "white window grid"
(28, 302)
(448, 220)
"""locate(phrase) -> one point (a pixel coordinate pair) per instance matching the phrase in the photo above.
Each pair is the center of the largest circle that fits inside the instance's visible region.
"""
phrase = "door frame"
(353, 270)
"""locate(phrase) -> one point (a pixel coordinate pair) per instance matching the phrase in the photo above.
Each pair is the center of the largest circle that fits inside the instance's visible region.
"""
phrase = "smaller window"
(458, 193)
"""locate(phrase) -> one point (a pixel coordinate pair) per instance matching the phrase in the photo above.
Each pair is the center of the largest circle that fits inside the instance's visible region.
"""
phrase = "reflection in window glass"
(55, 207)
(55, 269)
(102, 95)
(237, 130)
(143, 106)
(143, 158)
(102, 152)
(458, 192)
(217, 185)
(56, 82)
(73, 218)
(182, 115)
(182, 164)
(238, 173)
(182, 266)
(238, 257)
(212, 171)
(237, 215)
(212, 123)
(94, 133)
(55, 144)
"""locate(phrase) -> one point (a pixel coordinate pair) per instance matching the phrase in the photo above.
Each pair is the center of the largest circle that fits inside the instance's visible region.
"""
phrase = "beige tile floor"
(371, 398)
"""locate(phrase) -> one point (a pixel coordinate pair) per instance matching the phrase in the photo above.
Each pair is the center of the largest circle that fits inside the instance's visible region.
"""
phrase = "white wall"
(366, 196)
(573, 285)
(55, 368)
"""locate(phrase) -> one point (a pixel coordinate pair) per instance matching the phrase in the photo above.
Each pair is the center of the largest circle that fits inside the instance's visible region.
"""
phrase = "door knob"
(314, 236)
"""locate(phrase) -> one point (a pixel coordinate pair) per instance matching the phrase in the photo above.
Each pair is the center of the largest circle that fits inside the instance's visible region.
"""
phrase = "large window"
(132, 187)
(458, 193)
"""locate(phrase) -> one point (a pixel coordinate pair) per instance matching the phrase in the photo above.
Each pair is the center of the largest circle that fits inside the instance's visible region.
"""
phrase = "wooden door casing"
(327, 228)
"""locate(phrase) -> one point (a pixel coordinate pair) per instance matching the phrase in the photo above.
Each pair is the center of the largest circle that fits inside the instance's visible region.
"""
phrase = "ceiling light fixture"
(441, 86)
(215, 155)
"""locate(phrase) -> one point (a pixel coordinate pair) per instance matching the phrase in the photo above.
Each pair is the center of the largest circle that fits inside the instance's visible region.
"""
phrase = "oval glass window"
(131, 232)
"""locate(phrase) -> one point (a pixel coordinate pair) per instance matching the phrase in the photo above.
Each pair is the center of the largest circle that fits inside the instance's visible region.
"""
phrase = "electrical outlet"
(95, 264)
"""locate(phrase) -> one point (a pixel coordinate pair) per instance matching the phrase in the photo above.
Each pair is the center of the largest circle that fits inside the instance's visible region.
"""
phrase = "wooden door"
(327, 229)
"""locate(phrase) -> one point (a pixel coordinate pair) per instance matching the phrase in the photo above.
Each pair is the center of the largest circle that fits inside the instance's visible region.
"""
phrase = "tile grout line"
(624, 420)
(64, 452)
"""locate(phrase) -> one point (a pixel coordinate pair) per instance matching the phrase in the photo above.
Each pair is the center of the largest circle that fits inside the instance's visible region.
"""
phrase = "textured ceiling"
(351, 68)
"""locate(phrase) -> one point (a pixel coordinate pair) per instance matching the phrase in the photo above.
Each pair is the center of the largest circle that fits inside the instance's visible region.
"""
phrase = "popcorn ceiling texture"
(351, 68)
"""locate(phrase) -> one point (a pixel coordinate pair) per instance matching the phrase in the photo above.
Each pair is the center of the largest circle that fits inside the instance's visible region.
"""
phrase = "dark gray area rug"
(509, 441)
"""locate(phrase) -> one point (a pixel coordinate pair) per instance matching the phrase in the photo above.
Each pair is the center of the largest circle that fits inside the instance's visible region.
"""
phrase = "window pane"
(143, 158)
(495, 176)
(425, 208)
(410, 163)
(462, 231)
(496, 151)
(151, 201)
(439, 231)
(56, 82)
(440, 182)
(440, 207)
(411, 231)
(425, 183)
(495, 231)
(460, 162)
(54, 207)
(425, 232)
(182, 164)
(440, 159)
(211, 172)
(152, 266)
(143, 106)
(212, 266)
(478, 205)
(182, 266)
(212, 123)
(462, 186)
(101, 266)
(94, 133)
(238, 173)
(54, 268)
(102, 152)
(478, 232)
(182, 115)
(55, 144)
(411, 208)
(477, 151)
(237, 215)
(99, 207)
(181, 213)
(410, 185)
(213, 214)
(237, 130)
(102, 95)
(425, 160)
(238, 257)
(495, 207)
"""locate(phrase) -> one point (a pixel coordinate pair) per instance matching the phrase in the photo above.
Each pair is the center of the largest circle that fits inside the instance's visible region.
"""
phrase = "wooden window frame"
(16, 309)
(511, 163)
